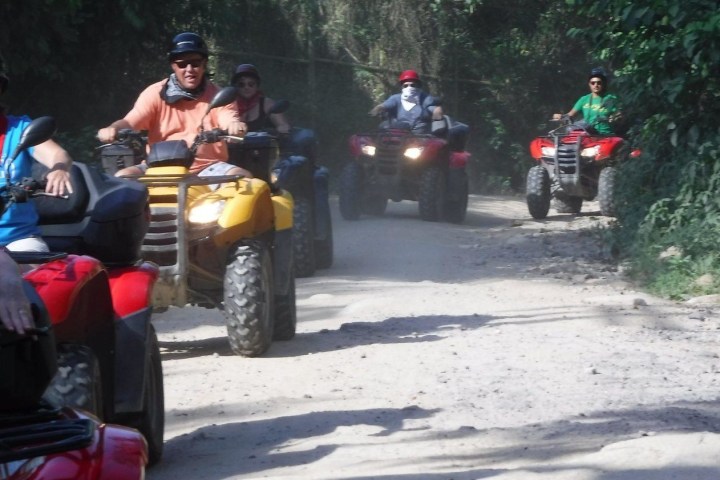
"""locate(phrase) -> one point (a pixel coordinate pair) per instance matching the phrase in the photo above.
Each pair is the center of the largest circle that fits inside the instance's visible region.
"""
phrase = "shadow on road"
(396, 330)
(262, 445)
(258, 445)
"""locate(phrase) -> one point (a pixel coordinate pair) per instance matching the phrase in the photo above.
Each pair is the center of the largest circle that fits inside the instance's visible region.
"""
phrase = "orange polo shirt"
(180, 121)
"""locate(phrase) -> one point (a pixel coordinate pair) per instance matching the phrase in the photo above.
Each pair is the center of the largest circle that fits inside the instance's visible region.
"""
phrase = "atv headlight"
(413, 153)
(368, 150)
(590, 151)
(548, 151)
(207, 212)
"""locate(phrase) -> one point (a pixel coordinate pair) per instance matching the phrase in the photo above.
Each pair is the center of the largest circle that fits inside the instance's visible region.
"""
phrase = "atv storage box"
(27, 365)
(105, 217)
(117, 157)
(257, 153)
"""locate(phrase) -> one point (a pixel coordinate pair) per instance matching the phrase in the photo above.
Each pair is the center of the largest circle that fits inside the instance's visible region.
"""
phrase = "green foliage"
(667, 54)
(501, 66)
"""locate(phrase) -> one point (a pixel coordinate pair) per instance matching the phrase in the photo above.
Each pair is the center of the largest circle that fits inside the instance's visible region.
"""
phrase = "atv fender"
(457, 181)
(131, 288)
(60, 281)
(282, 260)
(248, 212)
(132, 339)
(132, 302)
(76, 293)
(283, 208)
(323, 229)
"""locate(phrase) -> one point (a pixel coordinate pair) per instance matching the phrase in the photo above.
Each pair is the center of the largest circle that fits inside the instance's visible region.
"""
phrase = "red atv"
(574, 164)
(42, 441)
(98, 297)
(393, 163)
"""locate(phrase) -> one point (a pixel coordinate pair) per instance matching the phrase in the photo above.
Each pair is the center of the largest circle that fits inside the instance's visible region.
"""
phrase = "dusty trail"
(503, 348)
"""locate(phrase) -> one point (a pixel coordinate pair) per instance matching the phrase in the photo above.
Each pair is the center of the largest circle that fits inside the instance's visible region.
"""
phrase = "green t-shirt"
(597, 110)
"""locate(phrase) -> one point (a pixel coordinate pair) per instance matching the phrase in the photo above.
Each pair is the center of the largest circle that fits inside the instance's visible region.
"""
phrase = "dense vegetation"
(502, 66)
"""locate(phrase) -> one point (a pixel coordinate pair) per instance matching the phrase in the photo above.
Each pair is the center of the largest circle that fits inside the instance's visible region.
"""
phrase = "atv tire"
(248, 299)
(431, 197)
(151, 420)
(568, 204)
(374, 205)
(351, 189)
(303, 233)
(606, 191)
(537, 192)
(285, 314)
(324, 249)
(78, 382)
(457, 203)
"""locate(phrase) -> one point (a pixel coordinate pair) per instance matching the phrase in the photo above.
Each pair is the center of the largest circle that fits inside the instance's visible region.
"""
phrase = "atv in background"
(574, 164)
(221, 242)
(393, 163)
(288, 162)
(98, 298)
(55, 442)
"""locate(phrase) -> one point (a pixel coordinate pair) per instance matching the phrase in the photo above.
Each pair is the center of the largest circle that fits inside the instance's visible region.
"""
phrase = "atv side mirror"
(39, 130)
(279, 106)
(224, 97)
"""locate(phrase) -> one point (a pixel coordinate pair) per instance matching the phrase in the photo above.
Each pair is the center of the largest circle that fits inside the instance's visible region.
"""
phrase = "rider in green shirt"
(599, 109)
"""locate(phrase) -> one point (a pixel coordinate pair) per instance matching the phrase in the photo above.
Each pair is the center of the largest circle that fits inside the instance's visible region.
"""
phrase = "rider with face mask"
(412, 105)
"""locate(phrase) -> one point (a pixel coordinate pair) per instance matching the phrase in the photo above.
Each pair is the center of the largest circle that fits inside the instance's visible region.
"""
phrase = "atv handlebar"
(22, 192)
(127, 137)
(212, 136)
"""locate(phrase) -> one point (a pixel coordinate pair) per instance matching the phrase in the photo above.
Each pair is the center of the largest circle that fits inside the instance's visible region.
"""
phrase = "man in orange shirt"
(172, 109)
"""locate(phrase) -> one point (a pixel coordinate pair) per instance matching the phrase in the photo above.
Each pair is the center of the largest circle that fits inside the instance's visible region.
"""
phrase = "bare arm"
(278, 119)
(14, 306)
(571, 114)
(54, 157)
(109, 133)
(377, 110)
(437, 113)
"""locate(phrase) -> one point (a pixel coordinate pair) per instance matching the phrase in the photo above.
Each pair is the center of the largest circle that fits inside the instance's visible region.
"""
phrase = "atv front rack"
(42, 433)
(166, 242)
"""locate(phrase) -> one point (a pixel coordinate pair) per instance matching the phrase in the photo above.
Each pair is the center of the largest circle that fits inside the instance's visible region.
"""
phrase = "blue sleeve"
(392, 103)
(429, 103)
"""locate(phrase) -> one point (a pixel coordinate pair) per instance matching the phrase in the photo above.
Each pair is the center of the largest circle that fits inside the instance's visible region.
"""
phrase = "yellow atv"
(221, 242)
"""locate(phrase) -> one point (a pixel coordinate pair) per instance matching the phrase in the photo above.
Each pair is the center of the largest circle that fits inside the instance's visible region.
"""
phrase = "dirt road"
(503, 348)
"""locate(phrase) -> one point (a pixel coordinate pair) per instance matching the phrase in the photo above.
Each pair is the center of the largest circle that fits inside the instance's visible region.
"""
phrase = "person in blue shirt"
(412, 105)
(18, 223)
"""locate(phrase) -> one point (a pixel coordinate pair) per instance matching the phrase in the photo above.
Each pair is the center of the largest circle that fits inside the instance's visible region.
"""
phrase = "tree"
(668, 58)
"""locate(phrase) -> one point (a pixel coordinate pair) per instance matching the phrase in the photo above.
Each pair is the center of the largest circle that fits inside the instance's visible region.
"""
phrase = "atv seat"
(455, 132)
(257, 153)
(105, 217)
(57, 210)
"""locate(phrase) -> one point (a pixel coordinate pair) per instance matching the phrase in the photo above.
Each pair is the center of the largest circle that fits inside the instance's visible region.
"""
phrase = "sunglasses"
(182, 64)
(596, 82)
(409, 85)
(246, 84)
